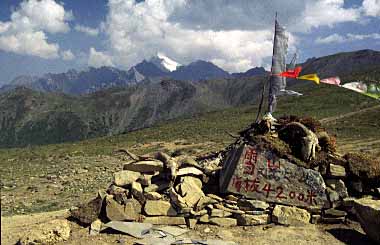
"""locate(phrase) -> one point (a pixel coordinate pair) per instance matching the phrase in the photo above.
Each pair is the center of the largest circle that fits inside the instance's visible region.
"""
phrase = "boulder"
(51, 232)
(148, 166)
(95, 227)
(260, 174)
(114, 210)
(176, 199)
(125, 177)
(137, 192)
(285, 215)
(223, 222)
(119, 194)
(88, 212)
(132, 210)
(190, 190)
(159, 208)
(247, 219)
(368, 213)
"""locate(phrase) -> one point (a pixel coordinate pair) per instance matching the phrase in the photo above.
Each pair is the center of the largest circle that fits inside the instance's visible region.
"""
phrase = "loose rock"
(285, 215)
(120, 194)
(246, 219)
(190, 190)
(137, 192)
(114, 211)
(125, 177)
(132, 210)
(95, 227)
(158, 208)
(368, 213)
(89, 212)
(145, 166)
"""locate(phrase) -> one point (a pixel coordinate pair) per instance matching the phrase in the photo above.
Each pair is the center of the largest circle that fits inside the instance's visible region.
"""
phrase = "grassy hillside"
(50, 177)
(28, 117)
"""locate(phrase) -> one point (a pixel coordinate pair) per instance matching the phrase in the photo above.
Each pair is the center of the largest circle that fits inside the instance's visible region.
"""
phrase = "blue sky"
(40, 36)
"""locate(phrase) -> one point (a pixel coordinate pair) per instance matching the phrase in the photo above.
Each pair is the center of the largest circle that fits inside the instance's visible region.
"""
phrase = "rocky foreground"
(284, 173)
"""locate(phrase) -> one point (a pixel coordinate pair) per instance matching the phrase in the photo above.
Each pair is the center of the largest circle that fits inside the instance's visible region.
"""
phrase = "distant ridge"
(360, 64)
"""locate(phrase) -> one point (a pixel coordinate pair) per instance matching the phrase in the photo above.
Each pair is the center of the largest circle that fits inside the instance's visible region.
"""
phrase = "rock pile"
(286, 172)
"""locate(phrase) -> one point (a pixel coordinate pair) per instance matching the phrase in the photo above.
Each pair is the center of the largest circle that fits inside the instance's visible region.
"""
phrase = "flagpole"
(271, 71)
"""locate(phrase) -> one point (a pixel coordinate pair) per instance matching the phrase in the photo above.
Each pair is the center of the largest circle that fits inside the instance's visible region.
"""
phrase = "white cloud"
(190, 30)
(336, 38)
(67, 55)
(138, 31)
(31, 43)
(371, 7)
(87, 30)
(327, 13)
(98, 58)
(25, 33)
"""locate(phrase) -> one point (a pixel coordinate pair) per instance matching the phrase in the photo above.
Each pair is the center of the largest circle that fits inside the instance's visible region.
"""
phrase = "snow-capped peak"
(168, 63)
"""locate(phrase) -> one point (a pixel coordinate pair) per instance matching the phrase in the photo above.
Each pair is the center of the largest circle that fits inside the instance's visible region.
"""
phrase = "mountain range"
(94, 79)
(33, 116)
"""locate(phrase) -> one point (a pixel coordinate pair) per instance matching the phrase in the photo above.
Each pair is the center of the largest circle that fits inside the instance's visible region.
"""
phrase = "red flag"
(293, 73)
(331, 80)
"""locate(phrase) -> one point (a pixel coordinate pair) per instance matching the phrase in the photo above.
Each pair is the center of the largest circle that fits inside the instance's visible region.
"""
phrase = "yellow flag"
(312, 77)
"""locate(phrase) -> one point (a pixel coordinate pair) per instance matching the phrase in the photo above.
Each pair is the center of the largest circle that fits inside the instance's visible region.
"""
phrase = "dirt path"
(14, 227)
(330, 119)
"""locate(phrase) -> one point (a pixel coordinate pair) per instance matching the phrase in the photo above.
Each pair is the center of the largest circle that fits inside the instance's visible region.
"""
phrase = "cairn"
(286, 173)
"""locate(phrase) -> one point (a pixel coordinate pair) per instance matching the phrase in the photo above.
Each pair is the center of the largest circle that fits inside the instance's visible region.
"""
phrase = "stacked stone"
(161, 189)
(170, 191)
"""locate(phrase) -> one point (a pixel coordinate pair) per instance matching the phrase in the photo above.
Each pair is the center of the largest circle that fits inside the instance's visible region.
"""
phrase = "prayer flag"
(331, 80)
(312, 77)
(291, 73)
